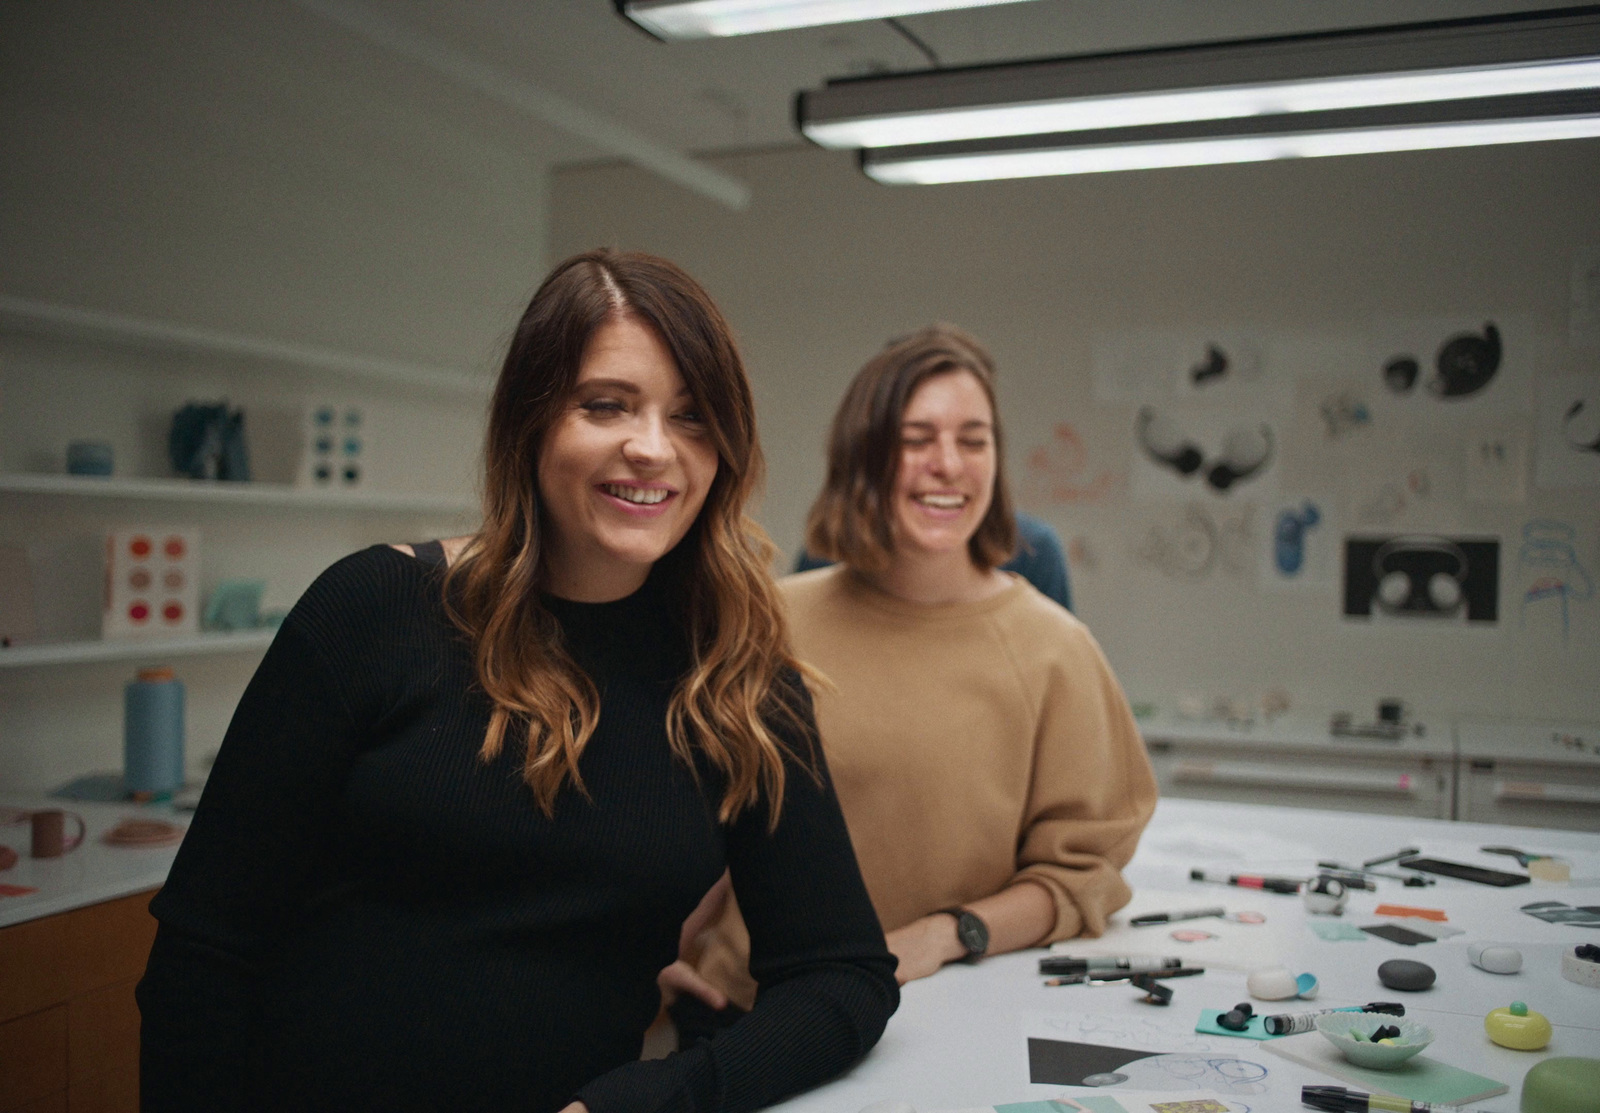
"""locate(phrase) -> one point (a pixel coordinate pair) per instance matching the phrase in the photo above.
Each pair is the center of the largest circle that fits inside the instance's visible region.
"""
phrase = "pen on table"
(1292, 1024)
(1106, 977)
(1336, 1099)
(1136, 964)
(1169, 917)
(1398, 854)
(1250, 881)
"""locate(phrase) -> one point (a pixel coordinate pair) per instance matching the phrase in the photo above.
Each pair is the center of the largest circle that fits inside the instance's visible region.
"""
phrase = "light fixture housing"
(705, 19)
(1421, 63)
(1410, 127)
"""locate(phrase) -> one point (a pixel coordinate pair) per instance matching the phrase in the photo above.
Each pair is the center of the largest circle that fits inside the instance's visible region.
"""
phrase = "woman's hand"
(924, 945)
(681, 976)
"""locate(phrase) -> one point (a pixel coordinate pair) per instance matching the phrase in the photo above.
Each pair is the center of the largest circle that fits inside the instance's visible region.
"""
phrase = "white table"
(958, 1039)
(92, 873)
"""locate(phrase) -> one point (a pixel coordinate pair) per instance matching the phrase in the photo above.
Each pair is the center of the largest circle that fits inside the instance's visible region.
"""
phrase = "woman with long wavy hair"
(477, 786)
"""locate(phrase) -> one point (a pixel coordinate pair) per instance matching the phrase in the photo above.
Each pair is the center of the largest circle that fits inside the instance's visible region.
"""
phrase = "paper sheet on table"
(1120, 1101)
(1144, 1052)
(1241, 947)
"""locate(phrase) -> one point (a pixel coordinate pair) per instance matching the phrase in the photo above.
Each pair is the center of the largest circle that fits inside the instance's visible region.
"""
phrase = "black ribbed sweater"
(366, 915)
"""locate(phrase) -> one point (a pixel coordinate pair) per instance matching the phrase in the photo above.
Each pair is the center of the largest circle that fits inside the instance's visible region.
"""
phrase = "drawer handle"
(1546, 793)
(1273, 776)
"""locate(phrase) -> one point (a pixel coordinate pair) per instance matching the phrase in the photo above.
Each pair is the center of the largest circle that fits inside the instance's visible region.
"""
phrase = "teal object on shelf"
(152, 735)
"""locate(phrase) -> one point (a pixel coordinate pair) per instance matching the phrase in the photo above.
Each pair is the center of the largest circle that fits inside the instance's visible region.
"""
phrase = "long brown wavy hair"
(852, 518)
(738, 636)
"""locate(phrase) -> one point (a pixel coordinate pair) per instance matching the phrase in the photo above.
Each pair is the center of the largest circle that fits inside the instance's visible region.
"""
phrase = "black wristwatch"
(971, 931)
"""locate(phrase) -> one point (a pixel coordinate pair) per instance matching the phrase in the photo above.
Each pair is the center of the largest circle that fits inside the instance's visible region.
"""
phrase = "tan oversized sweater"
(972, 745)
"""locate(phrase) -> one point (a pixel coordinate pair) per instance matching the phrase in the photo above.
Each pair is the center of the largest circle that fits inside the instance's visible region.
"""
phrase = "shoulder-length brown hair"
(853, 518)
(739, 639)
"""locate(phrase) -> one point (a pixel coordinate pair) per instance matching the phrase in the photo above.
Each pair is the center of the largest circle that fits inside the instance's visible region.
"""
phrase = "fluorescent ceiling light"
(1414, 64)
(704, 19)
(1310, 136)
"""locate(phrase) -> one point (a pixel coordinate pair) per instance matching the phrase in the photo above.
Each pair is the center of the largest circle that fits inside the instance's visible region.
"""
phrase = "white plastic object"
(1272, 983)
(1496, 958)
(1580, 970)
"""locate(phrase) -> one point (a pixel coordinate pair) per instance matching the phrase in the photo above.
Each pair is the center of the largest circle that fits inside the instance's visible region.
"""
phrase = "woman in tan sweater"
(988, 766)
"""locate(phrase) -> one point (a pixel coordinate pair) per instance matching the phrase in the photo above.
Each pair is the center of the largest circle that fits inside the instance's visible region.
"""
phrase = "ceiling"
(731, 94)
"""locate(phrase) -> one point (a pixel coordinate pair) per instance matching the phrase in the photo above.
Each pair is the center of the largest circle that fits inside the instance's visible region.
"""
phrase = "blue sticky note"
(1254, 1030)
(1337, 931)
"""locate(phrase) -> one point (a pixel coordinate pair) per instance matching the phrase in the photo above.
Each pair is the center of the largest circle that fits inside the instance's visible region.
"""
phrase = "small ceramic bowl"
(1337, 1029)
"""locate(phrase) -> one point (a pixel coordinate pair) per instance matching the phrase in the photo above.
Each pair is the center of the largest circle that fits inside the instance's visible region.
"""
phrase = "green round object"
(1565, 1084)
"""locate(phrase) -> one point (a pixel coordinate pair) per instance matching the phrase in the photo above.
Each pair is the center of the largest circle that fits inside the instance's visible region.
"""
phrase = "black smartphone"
(1465, 872)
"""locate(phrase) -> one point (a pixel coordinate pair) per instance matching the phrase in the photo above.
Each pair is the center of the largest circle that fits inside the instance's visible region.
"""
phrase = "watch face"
(972, 932)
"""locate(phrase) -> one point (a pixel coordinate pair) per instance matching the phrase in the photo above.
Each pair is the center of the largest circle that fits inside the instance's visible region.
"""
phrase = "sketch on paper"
(1245, 450)
(1196, 543)
(1342, 413)
(1554, 578)
(1463, 365)
(1496, 466)
(1100, 1050)
(1060, 473)
(1151, 365)
(1395, 498)
(1569, 432)
(1422, 578)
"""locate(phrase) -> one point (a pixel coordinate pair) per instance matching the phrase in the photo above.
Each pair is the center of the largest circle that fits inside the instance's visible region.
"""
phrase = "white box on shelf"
(152, 585)
(333, 443)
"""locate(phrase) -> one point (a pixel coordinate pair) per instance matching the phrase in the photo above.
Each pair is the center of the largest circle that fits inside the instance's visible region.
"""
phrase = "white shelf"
(44, 318)
(152, 649)
(249, 494)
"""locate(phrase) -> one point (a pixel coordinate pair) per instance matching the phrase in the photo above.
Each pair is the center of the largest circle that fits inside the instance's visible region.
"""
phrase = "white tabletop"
(92, 873)
(959, 1040)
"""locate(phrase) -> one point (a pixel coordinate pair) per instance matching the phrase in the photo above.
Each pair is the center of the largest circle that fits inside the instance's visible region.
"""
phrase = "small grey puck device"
(1404, 974)
(1497, 958)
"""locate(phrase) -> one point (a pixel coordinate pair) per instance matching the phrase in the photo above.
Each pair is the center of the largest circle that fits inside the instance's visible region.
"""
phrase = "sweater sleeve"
(1092, 791)
(826, 977)
(257, 838)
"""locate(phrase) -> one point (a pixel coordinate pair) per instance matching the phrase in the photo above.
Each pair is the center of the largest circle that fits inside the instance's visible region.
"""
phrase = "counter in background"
(71, 952)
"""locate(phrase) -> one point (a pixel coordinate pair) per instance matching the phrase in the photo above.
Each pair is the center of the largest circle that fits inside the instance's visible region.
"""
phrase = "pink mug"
(50, 832)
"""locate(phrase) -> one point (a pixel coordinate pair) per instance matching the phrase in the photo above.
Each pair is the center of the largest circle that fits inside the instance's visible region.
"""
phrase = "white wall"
(248, 169)
(1320, 264)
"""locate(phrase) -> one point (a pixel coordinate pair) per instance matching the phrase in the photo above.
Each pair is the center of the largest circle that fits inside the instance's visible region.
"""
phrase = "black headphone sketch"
(1214, 366)
(1464, 365)
(1245, 451)
(1584, 440)
(1419, 577)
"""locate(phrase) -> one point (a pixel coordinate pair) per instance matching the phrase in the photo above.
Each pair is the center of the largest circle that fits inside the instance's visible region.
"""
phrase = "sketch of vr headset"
(1246, 451)
(1580, 432)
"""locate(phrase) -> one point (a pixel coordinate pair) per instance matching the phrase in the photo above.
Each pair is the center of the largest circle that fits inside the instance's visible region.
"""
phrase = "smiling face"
(946, 475)
(624, 469)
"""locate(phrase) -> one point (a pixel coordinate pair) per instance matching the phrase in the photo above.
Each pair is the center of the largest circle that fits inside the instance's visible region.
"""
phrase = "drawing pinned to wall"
(1198, 542)
(1438, 368)
(1061, 472)
(1422, 579)
(1301, 547)
(1344, 412)
(1552, 577)
(1155, 365)
(1172, 447)
(1463, 365)
(1569, 432)
(1406, 496)
(1495, 466)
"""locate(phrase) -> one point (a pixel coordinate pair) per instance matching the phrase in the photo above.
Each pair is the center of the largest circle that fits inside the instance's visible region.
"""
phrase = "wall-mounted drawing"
(1569, 432)
(1061, 473)
(1422, 578)
(1246, 450)
(1553, 577)
(1343, 412)
(1463, 365)
(1394, 499)
(1495, 465)
(1160, 365)
(1196, 543)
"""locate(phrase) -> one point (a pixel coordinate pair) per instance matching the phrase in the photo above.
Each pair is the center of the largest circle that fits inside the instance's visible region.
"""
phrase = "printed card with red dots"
(152, 583)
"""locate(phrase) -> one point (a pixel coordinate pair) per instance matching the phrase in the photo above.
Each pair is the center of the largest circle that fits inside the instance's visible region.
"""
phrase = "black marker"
(1336, 1099)
(1398, 854)
(1169, 917)
(1250, 881)
(1292, 1024)
(1104, 977)
(1139, 964)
